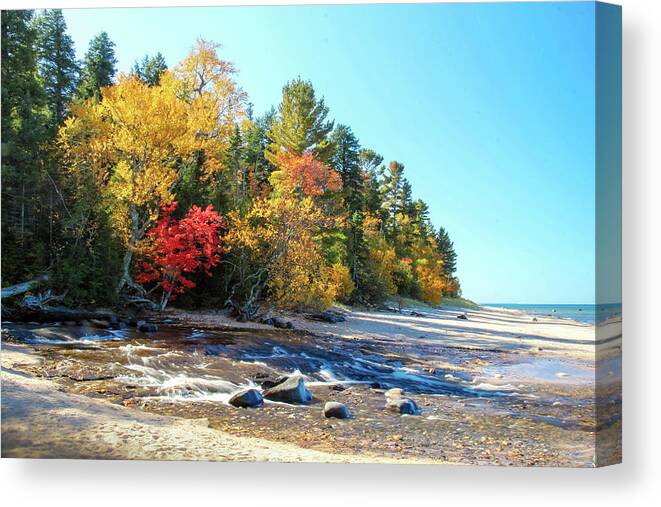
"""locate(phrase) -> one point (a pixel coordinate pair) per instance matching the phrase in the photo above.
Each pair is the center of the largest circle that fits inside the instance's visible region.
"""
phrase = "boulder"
(394, 394)
(462, 316)
(281, 323)
(267, 382)
(327, 316)
(146, 327)
(101, 324)
(292, 390)
(247, 398)
(402, 406)
(336, 410)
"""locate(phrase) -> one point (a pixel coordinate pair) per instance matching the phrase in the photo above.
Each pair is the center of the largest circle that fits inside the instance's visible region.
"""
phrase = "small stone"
(248, 398)
(336, 410)
(395, 393)
(403, 406)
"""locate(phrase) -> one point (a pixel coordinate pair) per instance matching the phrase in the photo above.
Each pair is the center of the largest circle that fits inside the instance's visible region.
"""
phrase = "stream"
(477, 405)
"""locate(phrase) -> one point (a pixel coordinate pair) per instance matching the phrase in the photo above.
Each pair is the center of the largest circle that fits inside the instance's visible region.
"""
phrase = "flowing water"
(471, 399)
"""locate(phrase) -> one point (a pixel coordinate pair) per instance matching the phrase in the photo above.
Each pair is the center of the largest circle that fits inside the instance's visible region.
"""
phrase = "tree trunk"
(21, 288)
(59, 314)
(126, 278)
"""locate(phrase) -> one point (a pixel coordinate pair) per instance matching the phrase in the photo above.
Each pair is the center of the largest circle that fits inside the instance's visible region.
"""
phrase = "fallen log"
(21, 288)
(59, 314)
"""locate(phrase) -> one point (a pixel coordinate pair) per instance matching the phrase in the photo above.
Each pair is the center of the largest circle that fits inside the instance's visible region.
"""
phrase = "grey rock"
(281, 323)
(101, 324)
(336, 410)
(394, 393)
(248, 398)
(327, 316)
(146, 327)
(268, 383)
(402, 406)
(292, 390)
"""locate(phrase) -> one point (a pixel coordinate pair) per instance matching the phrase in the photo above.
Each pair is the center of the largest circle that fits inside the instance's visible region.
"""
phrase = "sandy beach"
(494, 388)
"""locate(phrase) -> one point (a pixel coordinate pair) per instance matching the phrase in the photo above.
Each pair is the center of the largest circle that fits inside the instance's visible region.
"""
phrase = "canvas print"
(331, 233)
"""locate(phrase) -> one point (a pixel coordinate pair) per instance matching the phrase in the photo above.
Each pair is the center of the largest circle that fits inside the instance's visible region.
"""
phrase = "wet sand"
(496, 388)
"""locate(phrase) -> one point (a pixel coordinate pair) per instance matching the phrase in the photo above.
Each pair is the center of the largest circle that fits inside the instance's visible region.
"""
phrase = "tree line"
(163, 183)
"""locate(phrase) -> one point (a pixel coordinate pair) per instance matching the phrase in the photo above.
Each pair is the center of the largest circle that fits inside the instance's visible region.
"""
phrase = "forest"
(163, 185)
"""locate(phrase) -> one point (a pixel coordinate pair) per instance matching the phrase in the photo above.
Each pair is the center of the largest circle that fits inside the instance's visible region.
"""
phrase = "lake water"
(589, 314)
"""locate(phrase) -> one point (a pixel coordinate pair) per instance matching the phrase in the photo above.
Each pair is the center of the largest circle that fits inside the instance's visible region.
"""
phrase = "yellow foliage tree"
(432, 284)
(381, 257)
(134, 141)
(271, 251)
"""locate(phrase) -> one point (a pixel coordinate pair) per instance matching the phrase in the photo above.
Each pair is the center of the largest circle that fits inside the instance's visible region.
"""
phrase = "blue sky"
(490, 107)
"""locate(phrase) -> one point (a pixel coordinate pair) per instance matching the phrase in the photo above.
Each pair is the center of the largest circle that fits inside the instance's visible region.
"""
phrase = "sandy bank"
(487, 328)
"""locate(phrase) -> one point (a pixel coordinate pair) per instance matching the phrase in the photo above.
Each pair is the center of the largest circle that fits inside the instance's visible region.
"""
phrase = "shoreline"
(498, 350)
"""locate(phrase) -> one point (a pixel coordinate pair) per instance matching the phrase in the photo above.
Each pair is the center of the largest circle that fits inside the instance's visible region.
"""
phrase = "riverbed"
(501, 401)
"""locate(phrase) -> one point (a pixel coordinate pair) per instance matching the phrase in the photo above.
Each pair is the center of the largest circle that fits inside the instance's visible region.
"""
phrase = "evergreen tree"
(369, 162)
(392, 181)
(301, 123)
(57, 64)
(445, 247)
(255, 143)
(98, 66)
(24, 254)
(150, 68)
(345, 158)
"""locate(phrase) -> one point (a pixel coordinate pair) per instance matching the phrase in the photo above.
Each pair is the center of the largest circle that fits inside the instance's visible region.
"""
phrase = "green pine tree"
(300, 123)
(24, 115)
(445, 247)
(57, 64)
(150, 68)
(98, 66)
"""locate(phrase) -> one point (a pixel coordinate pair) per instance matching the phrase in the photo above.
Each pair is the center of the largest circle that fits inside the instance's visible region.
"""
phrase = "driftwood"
(21, 288)
(57, 314)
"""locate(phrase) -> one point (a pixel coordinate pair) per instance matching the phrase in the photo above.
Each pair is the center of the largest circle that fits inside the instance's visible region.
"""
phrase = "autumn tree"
(175, 249)
(272, 252)
(304, 175)
(137, 139)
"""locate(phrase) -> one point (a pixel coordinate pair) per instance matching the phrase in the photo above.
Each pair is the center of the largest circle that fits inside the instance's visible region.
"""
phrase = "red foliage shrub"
(178, 247)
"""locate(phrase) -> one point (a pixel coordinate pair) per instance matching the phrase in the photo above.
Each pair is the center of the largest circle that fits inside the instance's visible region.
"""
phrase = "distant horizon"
(545, 304)
(490, 108)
